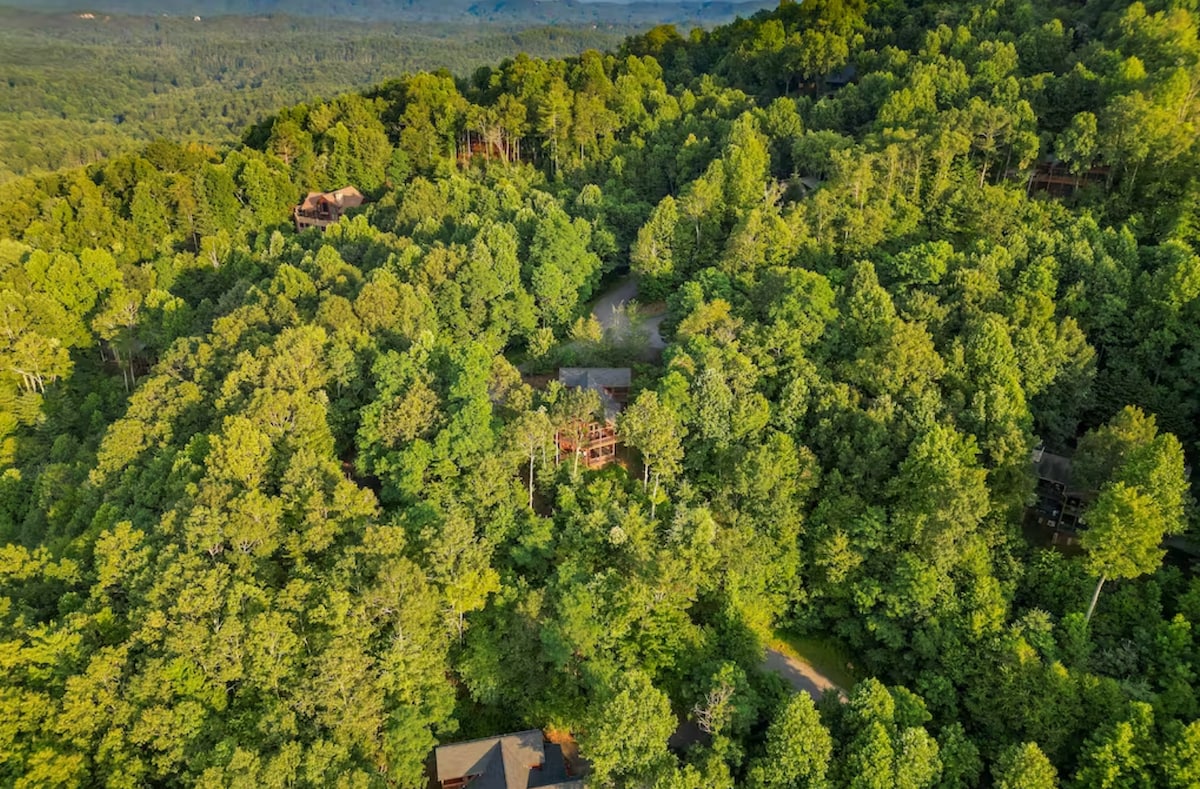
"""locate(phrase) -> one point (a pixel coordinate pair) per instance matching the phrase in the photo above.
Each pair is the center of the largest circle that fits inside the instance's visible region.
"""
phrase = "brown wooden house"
(598, 444)
(1052, 176)
(597, 441)
(322, 209)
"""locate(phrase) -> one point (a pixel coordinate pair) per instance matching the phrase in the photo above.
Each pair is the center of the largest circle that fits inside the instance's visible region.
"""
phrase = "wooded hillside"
(280, 509)
(78, 90)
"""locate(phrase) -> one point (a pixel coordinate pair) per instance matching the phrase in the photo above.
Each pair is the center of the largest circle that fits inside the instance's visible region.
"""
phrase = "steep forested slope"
(265, 506)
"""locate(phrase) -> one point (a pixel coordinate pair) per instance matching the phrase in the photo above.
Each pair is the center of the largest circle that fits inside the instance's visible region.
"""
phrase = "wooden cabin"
(1059, 503)
(596, 441)
(598, 444)
(322, 209)
(1053, 177)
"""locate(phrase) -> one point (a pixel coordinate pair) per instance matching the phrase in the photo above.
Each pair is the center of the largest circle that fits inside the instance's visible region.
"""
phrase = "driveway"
(606, 312)
(800, 675)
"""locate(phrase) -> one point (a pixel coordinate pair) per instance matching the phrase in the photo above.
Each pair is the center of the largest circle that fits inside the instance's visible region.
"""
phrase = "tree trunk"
(121, 366)
(532, 453)
(654, 498)
(1095, 597)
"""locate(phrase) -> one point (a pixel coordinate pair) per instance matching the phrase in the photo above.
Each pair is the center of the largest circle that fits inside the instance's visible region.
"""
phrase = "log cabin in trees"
(511, 761)
(1052, 176)
(597, 441)
(322, 209)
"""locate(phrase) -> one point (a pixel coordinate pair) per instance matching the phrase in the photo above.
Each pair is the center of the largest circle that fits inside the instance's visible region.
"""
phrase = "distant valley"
(539, 12)
(86, 85)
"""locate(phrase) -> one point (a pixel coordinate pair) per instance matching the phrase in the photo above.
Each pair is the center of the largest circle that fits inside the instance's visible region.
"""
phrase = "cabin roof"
(1052, 467)
(504, 762)
(594, 377)
(601, 379)
(346, 197)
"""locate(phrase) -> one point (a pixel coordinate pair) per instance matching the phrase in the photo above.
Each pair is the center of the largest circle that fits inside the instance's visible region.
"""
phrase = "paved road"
(800, 675)
(621, 293)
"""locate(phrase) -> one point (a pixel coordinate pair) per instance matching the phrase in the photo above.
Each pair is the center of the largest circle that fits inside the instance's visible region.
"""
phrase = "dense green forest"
(281, 509)
(78, 90)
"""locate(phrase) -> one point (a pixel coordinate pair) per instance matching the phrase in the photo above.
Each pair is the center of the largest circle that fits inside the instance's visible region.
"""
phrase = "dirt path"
(800, 675)
(605, 310)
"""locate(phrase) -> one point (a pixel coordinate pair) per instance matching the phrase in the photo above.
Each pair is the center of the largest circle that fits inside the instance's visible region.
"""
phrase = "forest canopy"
(79, 89)
(288, 509)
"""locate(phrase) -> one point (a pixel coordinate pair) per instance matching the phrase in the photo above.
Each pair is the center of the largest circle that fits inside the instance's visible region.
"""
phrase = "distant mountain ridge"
(640, 12)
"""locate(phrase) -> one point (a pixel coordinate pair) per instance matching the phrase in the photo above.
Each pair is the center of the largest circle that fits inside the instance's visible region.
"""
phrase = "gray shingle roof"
(1051, 467)
(601, 379)
(594, 377)
(504, 762)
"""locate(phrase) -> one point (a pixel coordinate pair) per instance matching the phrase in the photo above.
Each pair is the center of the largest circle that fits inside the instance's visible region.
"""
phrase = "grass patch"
(821, 654)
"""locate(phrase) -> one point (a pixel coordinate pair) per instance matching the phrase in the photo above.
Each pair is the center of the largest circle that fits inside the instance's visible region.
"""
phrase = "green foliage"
(798, 748)
(1025, 766)
(284, 508)
(83, 90)
(627, 735)
(1142, 485)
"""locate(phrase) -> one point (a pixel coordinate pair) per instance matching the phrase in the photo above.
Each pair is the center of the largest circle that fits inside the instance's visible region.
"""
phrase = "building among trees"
(322, 209)
(596, 441)
(1060, 504)
(511, 761)
(1058, 179)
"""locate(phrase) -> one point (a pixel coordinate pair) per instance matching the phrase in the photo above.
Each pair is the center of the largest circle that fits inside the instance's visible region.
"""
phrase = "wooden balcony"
(598, 446)
(307, 219)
